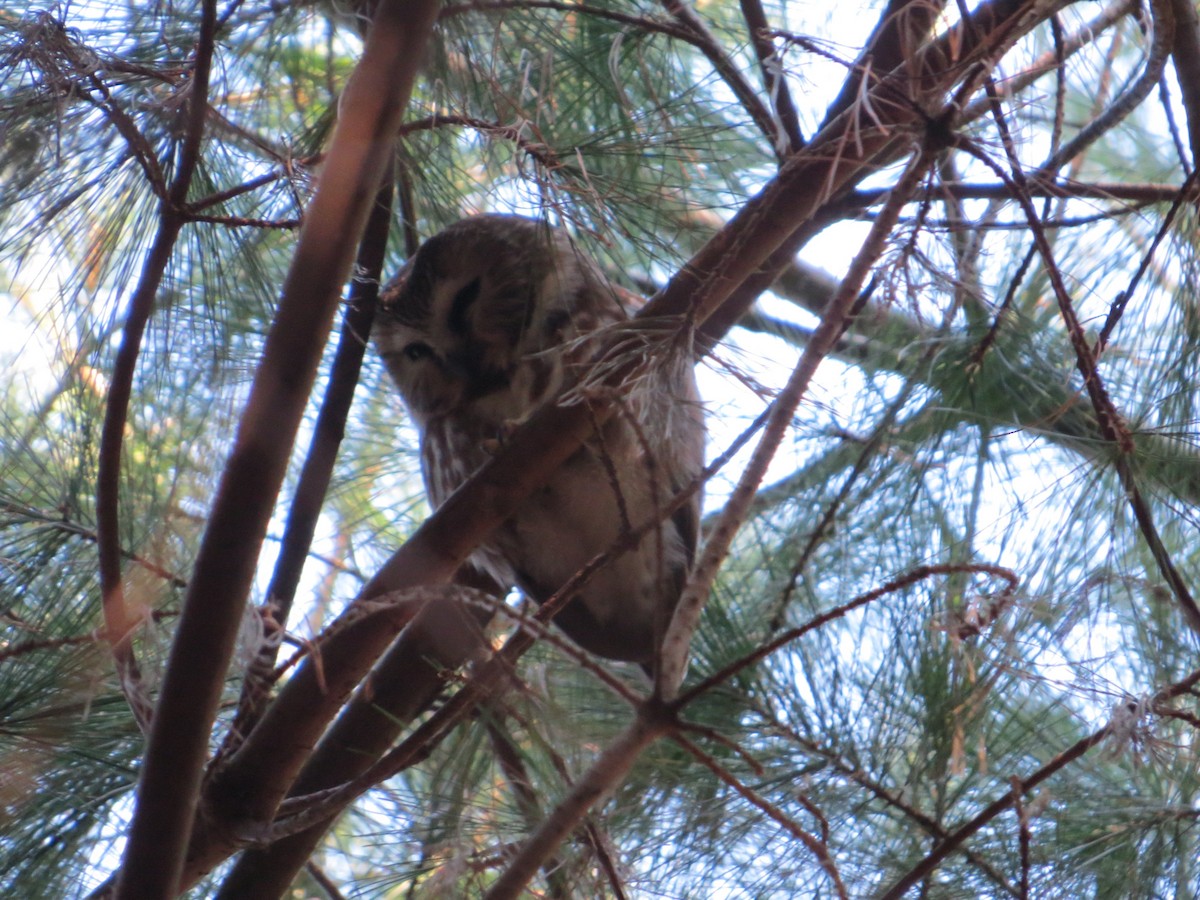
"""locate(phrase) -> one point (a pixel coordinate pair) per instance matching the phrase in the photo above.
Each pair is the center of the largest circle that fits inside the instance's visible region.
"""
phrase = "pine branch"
(819, 847)
(774, 80)
(708, 44)
(607, 771)
(1185, 53)
(264, 768)
(1111, 424)
(119, 621)
(317, 471)
(1021, 786)
(837, 315)
(168, 789)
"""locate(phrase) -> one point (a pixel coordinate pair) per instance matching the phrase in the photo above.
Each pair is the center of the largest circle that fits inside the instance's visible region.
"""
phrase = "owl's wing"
(686, 520)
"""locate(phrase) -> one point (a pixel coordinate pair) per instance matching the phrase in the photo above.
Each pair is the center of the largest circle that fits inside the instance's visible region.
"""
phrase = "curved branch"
(818, 847)
(773, 76)
(118, 619)
(688, 27)
(708, 44)
(1119, 109)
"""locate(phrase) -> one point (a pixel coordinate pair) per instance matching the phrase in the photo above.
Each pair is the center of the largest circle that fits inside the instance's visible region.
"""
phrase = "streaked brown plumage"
(489, 321)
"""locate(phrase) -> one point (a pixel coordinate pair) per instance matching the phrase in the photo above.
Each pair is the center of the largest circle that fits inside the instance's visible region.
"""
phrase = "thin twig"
(1131, 99)
(1109, 421)
(11, 651)
(819, 848)
(833, 323)
(774, 77)
(1117, 309)
(1023, 835)
(328, 885)
(58, 523)
(219, 197)
(517, 774)
(897, 584)
(245, 222)
(605, 773)
(959, 836)
(1059, 188)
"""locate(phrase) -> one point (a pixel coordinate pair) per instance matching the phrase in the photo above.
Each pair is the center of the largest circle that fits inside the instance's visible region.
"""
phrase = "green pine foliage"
(950, 430)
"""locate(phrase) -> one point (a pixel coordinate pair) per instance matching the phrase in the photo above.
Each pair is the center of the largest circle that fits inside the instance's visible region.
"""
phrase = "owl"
(496, 316)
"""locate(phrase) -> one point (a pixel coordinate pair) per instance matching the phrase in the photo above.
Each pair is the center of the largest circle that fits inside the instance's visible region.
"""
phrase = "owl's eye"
(418, 350)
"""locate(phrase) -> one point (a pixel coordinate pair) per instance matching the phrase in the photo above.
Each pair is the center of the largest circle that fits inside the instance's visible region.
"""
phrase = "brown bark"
(178, 747)
(264, 770)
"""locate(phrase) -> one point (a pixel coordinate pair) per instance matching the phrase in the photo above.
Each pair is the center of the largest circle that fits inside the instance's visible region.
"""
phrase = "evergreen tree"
(939, 265)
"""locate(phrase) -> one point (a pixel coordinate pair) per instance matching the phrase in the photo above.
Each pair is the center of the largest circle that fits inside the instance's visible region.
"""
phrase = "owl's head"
(476, 305)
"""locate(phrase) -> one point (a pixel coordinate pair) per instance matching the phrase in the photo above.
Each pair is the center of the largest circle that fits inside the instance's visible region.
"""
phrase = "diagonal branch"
(901, 29)
(1131, 99)
(1111, 425)
(608, 769)
(263, 770)
(896, 584)
(819, 847)
(1021, 786)
(708, 44)
(773, 75)
(1185, 53)
(317, 471)
(837, 315)
(168, 789)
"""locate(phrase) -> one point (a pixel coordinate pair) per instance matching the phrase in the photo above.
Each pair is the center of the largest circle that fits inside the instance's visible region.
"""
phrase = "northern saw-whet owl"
(492, 318)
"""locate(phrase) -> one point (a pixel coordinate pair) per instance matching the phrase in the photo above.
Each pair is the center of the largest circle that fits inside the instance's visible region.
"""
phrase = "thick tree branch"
(902, 28)
(441, 638)
(262, 771)
(317, 471)
(1185, 52)
(168, 788)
